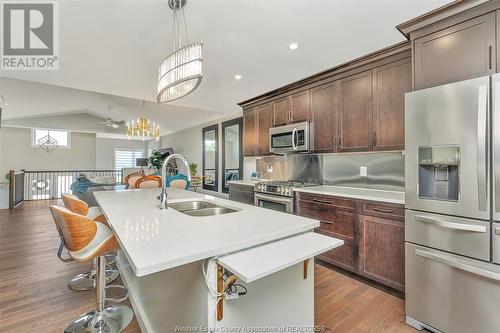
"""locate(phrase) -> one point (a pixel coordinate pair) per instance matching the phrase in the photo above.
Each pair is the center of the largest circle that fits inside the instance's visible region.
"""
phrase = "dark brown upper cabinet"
(291, 109)
(324, 116)
(281, 111)
(356, 132)
(390, 83)
(462, 51)
(250, 132)
(264, 120)
(299, 107)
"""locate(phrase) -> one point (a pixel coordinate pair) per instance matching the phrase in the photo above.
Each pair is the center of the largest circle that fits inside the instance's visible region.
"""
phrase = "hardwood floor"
(34, 296)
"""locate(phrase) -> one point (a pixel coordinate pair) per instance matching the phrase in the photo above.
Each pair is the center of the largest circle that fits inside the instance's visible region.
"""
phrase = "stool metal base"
(114, 319)
(86, 281)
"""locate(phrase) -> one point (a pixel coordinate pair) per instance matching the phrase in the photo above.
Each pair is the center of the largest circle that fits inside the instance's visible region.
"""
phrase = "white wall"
(188, 143)
(105, 150)
(17, 153)
(86, 152)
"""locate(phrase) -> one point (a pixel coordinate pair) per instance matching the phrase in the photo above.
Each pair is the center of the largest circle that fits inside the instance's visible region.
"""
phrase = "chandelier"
(143, 127)
(48, 143)
(181, 72)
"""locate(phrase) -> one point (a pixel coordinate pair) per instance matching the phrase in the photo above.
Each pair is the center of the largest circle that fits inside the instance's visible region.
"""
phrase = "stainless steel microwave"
(289, 138)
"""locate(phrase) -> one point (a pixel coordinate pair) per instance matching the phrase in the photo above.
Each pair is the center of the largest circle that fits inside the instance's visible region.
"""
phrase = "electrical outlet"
(269, 168)
(363, 172)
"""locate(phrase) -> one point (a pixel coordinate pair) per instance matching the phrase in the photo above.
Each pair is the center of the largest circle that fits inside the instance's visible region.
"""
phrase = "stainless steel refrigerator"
(452, 219)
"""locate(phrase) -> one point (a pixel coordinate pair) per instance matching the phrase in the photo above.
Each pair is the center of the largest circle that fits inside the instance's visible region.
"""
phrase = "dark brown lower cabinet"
(373, 235)
(381, 250)
(345, 256)
(241, 193)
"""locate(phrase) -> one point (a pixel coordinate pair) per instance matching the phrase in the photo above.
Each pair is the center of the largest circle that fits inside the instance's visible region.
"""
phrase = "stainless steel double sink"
(200, 208)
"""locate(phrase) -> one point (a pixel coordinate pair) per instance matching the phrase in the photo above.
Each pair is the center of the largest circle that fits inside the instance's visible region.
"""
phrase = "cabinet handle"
(322, 202)
(335, 143)
(374, 139)
(383, 210)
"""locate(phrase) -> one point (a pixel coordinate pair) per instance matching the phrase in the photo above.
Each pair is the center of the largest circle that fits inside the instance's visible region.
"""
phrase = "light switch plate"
(363, 171)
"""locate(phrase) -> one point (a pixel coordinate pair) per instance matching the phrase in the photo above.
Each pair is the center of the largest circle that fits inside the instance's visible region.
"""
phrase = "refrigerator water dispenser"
(438, 172)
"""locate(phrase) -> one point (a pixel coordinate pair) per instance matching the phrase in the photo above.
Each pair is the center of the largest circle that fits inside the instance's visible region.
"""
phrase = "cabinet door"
(390, 83)
(299, 105)
(264, 119)
(356, 113)
(250, 132)
(381, 250)
(345, 256)
(324, 110)
(457, 53)
(281, 111)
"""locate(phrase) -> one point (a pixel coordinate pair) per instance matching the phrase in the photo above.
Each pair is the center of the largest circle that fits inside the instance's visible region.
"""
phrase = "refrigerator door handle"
(451, 261)
(451, 225)
(482, 147)
(497, 231)
(496, 140)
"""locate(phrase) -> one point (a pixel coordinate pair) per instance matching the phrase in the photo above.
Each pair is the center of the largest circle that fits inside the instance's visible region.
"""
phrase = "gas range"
(282, 188)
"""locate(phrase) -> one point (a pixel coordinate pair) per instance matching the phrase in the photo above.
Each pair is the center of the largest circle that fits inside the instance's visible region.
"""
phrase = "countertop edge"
(352, 196)
(139, 272)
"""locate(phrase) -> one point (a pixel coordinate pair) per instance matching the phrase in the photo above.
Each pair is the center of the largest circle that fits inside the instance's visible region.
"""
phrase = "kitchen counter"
(395, 197)
(154, 240)
(244, 182)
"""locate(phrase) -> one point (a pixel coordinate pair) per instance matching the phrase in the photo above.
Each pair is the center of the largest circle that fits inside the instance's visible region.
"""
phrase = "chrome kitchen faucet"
(163, 195)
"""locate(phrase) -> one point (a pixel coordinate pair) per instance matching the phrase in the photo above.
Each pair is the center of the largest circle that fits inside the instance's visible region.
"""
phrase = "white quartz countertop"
(244, 182)
(395, 197)
(154, 240)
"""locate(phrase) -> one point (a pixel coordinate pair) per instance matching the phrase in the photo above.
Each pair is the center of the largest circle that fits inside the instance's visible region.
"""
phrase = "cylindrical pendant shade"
(180, 73)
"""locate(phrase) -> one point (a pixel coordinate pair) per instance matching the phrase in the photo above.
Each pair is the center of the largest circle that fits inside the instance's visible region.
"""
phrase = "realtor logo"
(29, 36)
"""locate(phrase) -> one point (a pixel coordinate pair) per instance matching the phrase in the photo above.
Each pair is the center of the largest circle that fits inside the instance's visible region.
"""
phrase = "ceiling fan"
(110, 123)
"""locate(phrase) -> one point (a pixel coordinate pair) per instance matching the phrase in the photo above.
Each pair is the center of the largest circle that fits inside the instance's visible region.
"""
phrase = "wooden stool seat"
(74, 204)
(87, 240)
(151, 181)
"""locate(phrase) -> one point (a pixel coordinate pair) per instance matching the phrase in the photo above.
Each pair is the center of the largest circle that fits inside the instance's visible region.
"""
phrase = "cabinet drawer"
(342, 203)
(335, 222)
(382, 209)
(453, 234)
(345, 256)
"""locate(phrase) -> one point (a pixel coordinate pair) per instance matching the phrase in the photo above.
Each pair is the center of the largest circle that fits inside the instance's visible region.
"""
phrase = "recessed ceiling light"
(237, 77)
(293, 46)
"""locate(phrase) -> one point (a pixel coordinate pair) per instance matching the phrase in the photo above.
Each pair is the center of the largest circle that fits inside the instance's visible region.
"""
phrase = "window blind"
(125, 158)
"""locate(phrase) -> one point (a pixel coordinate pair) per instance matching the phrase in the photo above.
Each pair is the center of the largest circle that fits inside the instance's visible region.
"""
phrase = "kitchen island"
(175, 262)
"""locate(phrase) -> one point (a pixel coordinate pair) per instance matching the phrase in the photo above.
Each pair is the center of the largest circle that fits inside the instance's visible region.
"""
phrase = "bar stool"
(87, 240)
(87, 280)
(150, 181)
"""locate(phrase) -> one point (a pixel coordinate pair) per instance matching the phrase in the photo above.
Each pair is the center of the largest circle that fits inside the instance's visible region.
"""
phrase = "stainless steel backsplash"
(291, 167)
(385, 171)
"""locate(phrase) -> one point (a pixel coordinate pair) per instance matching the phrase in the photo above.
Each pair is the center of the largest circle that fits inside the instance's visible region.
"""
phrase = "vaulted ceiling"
(115, 47)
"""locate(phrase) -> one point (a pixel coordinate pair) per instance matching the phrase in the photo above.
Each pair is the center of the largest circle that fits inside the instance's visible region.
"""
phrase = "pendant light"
(143, 128)
(181, 72)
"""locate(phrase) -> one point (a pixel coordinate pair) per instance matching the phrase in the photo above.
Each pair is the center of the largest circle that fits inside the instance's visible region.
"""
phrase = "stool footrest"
(111, 260)
(116, 300)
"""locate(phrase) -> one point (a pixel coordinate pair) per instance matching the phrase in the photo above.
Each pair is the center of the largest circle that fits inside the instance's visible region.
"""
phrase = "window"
(63, 138)
(126, 158)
